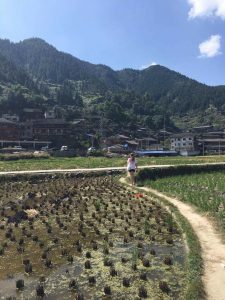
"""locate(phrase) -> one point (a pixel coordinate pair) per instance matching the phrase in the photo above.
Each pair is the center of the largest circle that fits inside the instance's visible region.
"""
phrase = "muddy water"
(73, 213)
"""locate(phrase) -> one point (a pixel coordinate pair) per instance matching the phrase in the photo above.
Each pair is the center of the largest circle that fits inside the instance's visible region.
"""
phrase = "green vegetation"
(211, 115)
(206, 191)
(99, 162)
(35, 74)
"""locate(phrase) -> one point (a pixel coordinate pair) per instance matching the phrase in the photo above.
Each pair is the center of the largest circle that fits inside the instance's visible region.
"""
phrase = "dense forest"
(35, 74)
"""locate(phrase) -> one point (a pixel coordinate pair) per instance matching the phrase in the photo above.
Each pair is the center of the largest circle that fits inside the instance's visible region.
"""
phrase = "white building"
(184, 143)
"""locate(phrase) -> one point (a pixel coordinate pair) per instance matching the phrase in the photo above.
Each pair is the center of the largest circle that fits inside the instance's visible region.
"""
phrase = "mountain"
(142, 96)
(44, 62)
(175, 90)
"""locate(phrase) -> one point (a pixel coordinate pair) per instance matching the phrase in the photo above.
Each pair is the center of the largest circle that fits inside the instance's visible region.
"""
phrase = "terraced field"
(82, 237)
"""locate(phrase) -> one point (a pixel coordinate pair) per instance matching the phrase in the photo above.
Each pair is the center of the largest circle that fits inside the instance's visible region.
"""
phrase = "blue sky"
(187, 36)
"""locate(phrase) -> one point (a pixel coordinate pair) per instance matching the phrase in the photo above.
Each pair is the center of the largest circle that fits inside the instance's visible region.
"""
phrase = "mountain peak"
(35, 42)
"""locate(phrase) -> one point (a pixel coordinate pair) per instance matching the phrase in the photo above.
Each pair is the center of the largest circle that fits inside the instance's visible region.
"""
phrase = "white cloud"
(207, 8)
(210, 47)
(148, 65)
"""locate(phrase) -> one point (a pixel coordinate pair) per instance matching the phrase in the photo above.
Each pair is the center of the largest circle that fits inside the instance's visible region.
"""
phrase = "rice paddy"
(82, 237)
(206, 191)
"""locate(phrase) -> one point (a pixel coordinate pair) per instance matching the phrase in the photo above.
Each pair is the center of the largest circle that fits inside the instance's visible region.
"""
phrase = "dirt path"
(77, 170)
(213, 249)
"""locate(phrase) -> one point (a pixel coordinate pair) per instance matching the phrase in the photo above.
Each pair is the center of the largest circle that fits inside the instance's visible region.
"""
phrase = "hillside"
(17, 89)
(128, 96)
(44, 62)
(11, 74)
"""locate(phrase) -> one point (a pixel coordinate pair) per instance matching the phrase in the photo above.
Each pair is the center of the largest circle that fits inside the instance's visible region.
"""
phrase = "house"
(50, 129)
(212, 146)
(9, 130)
(116, 139)
(185, 143)
(212, 135)
(13, 118)
(162, 134)
(32, 114)
(204, 128)
(146, 143)
(26, 130)
(211, 141)
(131, 145)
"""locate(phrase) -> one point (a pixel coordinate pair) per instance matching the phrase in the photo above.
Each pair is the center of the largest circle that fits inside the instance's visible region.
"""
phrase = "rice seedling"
(206, 191)
(87, 230)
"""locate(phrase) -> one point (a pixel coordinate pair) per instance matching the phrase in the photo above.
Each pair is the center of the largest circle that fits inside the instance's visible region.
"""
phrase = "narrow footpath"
(77, 170)
(213, 249)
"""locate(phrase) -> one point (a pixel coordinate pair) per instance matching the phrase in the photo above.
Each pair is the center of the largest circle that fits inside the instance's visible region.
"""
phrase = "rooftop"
(183, 134)
(3, 120)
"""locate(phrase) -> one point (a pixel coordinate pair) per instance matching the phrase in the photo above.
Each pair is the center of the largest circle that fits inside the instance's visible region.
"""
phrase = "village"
(38, 130)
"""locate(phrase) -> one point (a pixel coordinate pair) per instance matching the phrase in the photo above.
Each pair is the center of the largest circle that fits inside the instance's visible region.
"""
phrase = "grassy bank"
(95, 162)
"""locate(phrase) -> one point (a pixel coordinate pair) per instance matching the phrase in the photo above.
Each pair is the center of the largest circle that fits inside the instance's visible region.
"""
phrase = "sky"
(187, 36)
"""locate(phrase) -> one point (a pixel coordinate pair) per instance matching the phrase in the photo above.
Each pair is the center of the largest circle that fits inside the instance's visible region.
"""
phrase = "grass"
(95, 162)
(195, 289)
(206, 191)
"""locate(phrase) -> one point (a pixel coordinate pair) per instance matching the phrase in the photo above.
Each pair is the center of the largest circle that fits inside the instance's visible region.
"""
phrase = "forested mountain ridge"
(45, 62)
(127, 96)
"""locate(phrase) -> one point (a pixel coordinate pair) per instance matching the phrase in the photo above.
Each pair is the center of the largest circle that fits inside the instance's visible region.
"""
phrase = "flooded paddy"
(76, 237)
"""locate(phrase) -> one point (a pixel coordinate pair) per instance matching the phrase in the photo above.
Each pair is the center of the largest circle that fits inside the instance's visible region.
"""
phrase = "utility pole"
(101, 131)
(164, 131)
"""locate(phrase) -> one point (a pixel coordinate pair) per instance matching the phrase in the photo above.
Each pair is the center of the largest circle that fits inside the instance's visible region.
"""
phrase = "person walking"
(132, 168)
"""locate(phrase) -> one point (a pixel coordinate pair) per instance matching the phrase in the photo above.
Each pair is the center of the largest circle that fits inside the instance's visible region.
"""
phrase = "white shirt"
(131, 164)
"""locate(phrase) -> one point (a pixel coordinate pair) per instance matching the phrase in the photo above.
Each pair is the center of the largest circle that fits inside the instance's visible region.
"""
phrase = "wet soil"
(84, 229)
